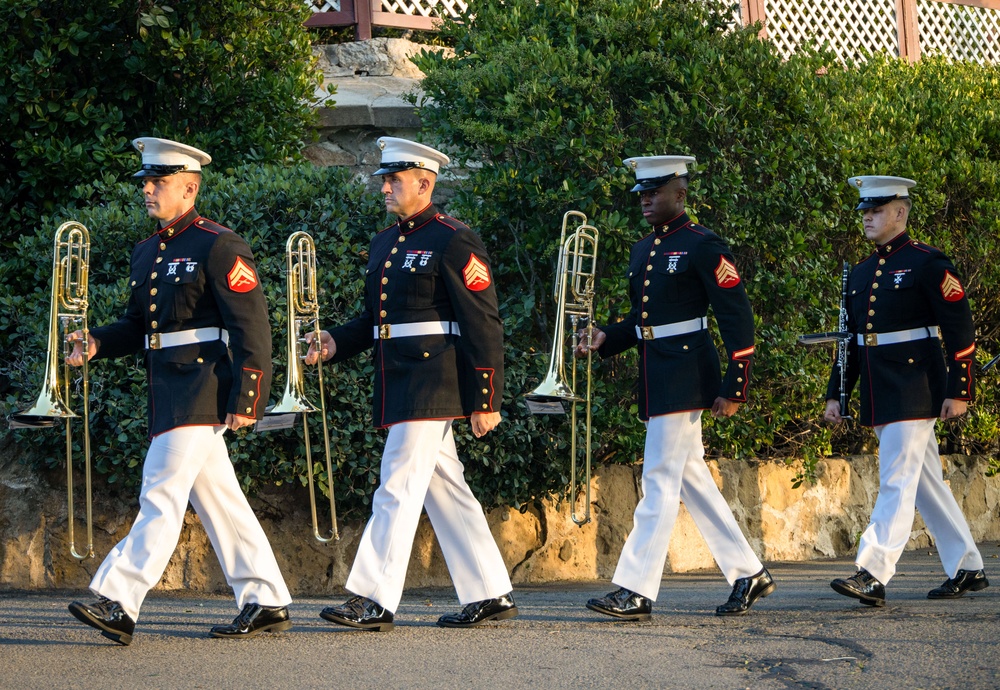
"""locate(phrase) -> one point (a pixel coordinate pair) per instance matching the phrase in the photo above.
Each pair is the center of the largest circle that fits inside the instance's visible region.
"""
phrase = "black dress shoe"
(360, 612)
(623, 603)
(108, 617)
(479, 612)
(964, 581)
(746, 591)
(254, 619)
(861, 585)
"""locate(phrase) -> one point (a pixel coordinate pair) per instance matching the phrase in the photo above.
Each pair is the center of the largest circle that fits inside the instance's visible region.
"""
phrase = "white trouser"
(191, 463)
(674, 470)
(910, 476)
(420, 468)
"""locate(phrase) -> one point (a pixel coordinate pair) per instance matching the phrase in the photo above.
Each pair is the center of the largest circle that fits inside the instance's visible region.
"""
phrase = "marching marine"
(902, 301)
(198, 315)
(675, 273)
(432, 322)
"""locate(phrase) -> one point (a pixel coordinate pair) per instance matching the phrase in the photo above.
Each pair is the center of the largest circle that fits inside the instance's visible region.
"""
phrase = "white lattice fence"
(426, 8)
(851, 28)
(324, 5)
(959, 31)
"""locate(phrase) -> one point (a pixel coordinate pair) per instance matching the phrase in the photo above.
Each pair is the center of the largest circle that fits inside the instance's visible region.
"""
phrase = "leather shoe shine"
(623, 603)
(746, 591)
(254, 619)
(863, 586)
(479, 612)
(964, 581)
(107, 616)
(359, 612)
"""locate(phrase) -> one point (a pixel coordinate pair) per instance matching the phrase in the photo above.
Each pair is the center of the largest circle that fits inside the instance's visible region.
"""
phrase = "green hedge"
(550, 97)
(80, 79)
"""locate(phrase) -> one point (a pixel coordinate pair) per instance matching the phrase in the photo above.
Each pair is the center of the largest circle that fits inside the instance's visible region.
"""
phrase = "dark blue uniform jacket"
(674, 274)
(903, 285)
(195, 274)
(429, 268)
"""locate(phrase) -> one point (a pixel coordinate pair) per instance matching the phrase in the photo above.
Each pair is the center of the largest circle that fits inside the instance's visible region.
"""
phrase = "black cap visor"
(875, 201)
(398, 166)
(649, 183)
(151, 170)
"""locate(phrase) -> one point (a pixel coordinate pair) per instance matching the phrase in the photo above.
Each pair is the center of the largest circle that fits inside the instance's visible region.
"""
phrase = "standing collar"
(893, 244)
(179, 225)
(675, 224)
(417, 220)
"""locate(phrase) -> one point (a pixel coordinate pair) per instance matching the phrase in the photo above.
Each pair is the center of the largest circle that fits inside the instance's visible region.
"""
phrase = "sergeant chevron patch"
(951, 288)
(725, 274)
(241, 277)
(477, 276)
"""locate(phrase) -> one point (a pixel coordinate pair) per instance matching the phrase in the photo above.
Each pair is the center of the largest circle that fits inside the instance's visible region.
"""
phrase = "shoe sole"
(766, 593)
(501, 616)
(848, 592)
(974, 587)
(622, 616)
(274, 627)
(373, 627)
(84, 616)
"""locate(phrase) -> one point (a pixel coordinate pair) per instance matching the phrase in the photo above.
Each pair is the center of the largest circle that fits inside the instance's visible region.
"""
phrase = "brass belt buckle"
(154, 341)
(383, 331)
(871, 339)
(647, 332)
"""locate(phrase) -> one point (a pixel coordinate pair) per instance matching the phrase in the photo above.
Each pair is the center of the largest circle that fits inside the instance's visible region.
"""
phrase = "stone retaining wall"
(783, 524)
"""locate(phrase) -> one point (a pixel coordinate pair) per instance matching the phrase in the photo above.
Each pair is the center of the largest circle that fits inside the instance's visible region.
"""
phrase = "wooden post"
(907, 30)
(752, 11)
(363, 15)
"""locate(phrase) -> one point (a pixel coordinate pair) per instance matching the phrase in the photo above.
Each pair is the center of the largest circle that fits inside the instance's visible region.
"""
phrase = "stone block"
(326, 154)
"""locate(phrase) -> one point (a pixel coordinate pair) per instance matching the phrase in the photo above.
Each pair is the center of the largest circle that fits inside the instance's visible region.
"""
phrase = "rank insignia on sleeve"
(241, 277)
(477, 276)
(951, 288)
(725, 274)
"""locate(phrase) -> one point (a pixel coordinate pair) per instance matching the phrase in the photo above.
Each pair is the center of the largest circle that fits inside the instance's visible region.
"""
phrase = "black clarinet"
(841, 336)
(843, 342)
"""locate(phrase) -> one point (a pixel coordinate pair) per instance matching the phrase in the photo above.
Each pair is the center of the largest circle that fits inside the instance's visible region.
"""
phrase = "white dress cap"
(162, 157)
(655, 171)
(878, 190)
(403, 154)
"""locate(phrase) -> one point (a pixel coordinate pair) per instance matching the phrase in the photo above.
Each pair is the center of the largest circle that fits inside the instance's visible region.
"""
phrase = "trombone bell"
(552, 389)
(291, 403)
(46, 413)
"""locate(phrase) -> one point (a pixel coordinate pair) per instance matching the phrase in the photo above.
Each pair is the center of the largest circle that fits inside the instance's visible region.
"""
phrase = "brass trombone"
(303, 317)
(67, 313)
(573, 293)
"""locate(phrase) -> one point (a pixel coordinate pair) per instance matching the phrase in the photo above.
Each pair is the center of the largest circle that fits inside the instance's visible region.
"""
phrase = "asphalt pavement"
(802, 636)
